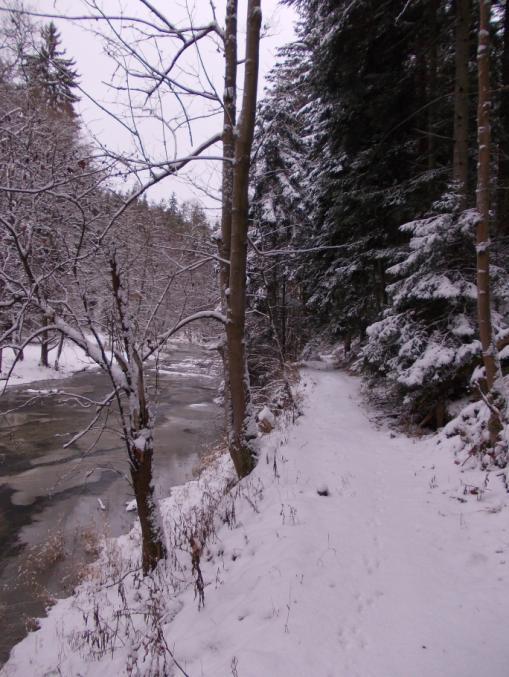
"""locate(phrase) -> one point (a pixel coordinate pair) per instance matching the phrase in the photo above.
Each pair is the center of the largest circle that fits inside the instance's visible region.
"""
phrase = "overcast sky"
(96, 73)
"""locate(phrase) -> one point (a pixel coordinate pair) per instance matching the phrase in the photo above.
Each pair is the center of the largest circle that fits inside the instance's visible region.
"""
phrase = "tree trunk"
(141, 451)
(460, 157)
(483, 207)
(235, 330)
(229, 121)
(503, 157)
(432, 82)
(138, 432)
(153, 549)
(44, 346)
(421, 99)
(284, 339)
(59, 352)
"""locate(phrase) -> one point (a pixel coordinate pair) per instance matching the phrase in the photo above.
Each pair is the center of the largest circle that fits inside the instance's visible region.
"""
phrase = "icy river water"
(55, 502)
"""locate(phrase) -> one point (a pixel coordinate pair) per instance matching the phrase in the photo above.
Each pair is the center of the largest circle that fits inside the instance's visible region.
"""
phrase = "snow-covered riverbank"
(349, 552)
(29, 370)
(72, 359)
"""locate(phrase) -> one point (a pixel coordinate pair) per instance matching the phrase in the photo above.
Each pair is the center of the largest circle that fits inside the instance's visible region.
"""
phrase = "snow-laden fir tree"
(370, 170)
(426, 345)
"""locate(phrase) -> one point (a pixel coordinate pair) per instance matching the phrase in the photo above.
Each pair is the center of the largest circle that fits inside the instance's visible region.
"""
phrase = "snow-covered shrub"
(426, 344)
(469, 437)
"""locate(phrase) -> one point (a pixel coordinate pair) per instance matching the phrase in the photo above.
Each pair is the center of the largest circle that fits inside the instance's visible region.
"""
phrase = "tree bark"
(236, 311)
(59, 352)
(421, 99)
(503, 157)
(44, 346)
(432, 82)
(460, 156)
(229, 121)
(141, 451)
(153, 549)
(138, 433)
(489, 351)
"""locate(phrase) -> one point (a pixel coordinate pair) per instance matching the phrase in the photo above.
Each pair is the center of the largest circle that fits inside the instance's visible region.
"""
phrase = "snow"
(266, 415)
(504, 353)
(141, 440)
(351, 551)
(72, 359)
(131, 506)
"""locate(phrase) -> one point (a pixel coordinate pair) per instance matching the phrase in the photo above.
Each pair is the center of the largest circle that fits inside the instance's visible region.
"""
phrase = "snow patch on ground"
(72, 359)
(349, 552)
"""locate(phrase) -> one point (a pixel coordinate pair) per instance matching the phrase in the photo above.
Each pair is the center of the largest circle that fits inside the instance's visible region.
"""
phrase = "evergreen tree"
(372, 165)
(387, 137)
(426, 344)
(50, 75)
(279, 211)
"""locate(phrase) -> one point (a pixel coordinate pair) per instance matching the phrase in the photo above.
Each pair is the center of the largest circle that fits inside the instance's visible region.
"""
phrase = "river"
(56, 503)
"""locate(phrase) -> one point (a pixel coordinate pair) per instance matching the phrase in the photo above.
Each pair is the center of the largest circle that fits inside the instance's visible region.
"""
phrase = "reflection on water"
(54, 501)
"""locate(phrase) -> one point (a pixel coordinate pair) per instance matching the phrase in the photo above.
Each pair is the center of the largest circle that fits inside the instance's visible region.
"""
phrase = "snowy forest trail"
(389, 575)
(422, 586)
(353, 552)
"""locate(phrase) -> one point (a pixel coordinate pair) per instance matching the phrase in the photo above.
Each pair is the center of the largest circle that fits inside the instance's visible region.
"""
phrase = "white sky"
(96, 72)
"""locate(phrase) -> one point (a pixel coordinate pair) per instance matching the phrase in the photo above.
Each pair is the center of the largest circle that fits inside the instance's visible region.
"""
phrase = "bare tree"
(155, 78)
(93, 290)
(50, 289)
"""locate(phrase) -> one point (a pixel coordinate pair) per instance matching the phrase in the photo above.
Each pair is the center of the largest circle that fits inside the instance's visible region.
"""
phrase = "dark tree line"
(365, 180)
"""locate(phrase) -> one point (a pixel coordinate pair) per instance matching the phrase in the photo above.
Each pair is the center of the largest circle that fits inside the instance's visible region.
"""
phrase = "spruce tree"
(50, 75)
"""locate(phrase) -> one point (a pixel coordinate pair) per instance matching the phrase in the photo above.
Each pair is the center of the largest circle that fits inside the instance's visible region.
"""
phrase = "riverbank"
(72, 360)
(58, 504)
(29, 370)
(350, 551)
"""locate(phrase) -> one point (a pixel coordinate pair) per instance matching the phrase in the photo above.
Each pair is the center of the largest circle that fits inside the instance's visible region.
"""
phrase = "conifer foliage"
(380, 195)
(50, 75)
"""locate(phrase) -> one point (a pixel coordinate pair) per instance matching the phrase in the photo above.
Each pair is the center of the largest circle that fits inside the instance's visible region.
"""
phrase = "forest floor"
(353, 551)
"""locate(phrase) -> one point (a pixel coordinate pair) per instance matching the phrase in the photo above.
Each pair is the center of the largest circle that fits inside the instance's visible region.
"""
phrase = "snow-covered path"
(388, 576)
(394, 573)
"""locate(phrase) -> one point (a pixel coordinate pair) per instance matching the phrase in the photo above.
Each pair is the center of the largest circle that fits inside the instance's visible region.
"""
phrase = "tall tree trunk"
(503, 157)
(432, 82)
(284, 338)
(489, 352)
(229, 121)
(421, 99)
(235, 330)
(460, 157)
